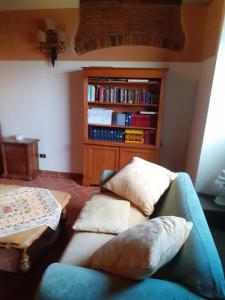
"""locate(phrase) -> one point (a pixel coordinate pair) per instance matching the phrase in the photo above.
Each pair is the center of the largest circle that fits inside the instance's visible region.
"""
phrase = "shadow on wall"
(76, 120)
(179, 102)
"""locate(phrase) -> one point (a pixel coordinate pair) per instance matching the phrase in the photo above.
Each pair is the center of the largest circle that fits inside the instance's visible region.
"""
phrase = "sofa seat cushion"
(82, 245)
(104, 213)
(140, 251)
(141, 182)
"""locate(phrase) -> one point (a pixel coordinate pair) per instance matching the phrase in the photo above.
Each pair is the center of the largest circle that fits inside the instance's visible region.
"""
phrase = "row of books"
(140, 136)
(97, 93)
(101, 116)
(120, 135)
(106, 134)
(119, 79)
(136, 120)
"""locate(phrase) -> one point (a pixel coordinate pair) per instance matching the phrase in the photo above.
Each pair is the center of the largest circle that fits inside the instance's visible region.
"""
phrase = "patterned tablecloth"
(26, 208)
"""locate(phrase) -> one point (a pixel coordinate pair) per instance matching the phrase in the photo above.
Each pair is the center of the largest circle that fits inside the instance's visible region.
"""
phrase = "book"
(144, 112)
(134, 136)
(137, 80)
(100, 116)
(120, 119)
(91, 93)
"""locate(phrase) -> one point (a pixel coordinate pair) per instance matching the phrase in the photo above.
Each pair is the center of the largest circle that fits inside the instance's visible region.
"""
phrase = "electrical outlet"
(42, 155)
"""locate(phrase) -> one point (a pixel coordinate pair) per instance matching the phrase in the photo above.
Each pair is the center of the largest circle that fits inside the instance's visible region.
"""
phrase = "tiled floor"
(22, 287)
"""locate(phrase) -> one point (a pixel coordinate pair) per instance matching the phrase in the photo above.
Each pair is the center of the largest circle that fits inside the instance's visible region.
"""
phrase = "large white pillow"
(141, 182)
(140, 251)
(104, 213)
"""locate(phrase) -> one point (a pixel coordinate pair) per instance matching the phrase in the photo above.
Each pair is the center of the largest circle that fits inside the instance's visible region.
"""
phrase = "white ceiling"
(51, 4)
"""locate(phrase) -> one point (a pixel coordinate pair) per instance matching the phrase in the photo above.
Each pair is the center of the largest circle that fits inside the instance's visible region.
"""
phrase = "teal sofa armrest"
(66, 282)
(197, 265)
(106, 174)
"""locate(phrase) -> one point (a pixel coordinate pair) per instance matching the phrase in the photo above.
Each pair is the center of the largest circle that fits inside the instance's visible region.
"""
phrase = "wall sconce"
(52, 42)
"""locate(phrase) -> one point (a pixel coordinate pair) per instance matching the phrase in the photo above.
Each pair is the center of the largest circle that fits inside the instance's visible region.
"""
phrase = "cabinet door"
(126, 155)
(97, 159)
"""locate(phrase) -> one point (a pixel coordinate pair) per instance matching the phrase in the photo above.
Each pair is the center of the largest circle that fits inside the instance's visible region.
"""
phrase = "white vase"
(220, 200)
(220, 189)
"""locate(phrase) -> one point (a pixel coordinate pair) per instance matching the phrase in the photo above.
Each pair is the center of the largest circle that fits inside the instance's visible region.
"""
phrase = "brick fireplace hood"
(110, 23)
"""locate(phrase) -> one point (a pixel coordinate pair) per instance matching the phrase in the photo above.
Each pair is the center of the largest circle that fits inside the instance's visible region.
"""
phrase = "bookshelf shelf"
(131, 100)
(119, 144)
(121, 126)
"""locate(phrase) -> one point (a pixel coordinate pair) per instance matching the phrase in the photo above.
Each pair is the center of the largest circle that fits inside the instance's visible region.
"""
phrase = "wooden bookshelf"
(112, 146)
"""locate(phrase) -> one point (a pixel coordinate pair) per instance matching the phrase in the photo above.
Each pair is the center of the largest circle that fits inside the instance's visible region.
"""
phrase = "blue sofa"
(195, 273)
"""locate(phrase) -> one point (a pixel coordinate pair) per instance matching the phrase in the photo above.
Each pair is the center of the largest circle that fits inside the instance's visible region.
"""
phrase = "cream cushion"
(104, 214)
(142, 183)
(155, 241)
(136, 216)
(82, 245)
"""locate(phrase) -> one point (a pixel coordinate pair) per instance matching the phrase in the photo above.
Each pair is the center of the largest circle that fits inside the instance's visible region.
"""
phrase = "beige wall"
(199, 120)
(212, 158)
(199, 116)
(38, 101)
(18, 30)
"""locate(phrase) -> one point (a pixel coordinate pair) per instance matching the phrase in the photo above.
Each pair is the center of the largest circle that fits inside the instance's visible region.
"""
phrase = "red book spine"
(133, 120)
(142, 121)
(148, 121)
(146, 137)
(100, 94)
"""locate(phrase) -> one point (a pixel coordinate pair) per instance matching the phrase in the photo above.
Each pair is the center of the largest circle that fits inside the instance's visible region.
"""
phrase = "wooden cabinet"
(126, 155)
(122, 117)
(99, 158)
(19, 158)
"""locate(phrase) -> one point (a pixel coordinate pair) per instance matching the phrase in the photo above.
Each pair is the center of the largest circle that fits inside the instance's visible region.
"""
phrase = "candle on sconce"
(41, 36)
(50, 25)
(51, 41)
(61, 36)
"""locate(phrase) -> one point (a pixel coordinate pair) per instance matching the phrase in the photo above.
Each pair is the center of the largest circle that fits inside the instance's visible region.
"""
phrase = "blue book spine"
(115, 135)
(126, 119)
(129, 118)
(121, 135)
(108, 134)
(111, 135)
(105, 134)
(120, 119)
(101, 130)
(91, 133)
(95, 133)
